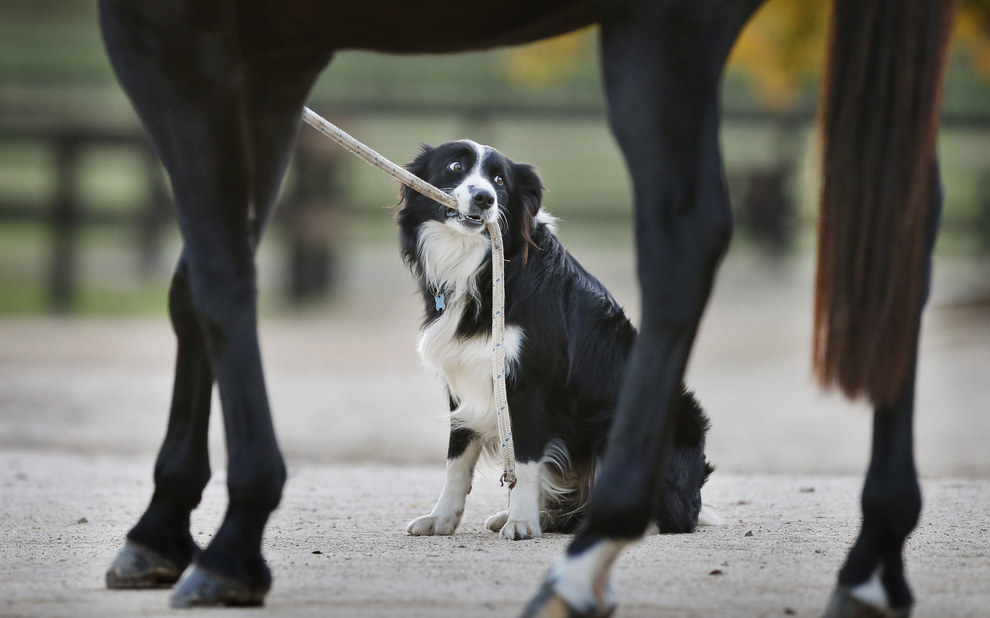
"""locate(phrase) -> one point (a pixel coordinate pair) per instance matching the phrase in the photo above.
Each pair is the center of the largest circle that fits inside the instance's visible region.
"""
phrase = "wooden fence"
(308, 212)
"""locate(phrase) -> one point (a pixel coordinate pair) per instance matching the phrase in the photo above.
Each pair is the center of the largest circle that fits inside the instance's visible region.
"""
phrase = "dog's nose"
(482, 198)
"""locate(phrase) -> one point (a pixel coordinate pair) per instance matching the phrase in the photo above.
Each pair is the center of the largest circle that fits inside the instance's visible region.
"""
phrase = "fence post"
(156, 214)
(311, 216)
(769, 211)
(64, 218)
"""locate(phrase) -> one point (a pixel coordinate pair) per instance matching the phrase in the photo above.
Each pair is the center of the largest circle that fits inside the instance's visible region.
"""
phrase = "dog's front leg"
(462, 455)
(522, 520)
(531, 434)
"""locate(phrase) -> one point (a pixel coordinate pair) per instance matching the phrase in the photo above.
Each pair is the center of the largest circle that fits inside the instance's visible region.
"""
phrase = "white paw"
(428, 525)
(709, 517)
(519, 529)
(496, 521)
(582, 580)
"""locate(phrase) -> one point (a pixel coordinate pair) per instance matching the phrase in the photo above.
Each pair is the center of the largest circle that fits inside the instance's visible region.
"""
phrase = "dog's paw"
(519, 529)
(429, 525)
(515, 529)
(496, 521)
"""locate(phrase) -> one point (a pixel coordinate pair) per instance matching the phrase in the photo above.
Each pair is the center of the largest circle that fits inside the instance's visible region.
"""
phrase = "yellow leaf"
(548, 62)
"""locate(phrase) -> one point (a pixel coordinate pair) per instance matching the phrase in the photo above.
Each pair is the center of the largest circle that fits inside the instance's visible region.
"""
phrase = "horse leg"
(224, 136)
(872, 581)
(231, 570)
(160, 547)
(662, 63)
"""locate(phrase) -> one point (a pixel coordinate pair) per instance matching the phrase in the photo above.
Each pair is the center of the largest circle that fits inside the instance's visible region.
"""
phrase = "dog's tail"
(879, 117)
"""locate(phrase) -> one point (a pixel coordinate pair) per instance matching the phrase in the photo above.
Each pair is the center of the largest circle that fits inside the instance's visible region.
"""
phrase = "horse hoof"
(137, 567)
(548, 604)
(843, 604)
(200, 587)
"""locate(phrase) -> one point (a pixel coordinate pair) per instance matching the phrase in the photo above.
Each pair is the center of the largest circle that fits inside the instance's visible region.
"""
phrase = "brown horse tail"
(879, 117)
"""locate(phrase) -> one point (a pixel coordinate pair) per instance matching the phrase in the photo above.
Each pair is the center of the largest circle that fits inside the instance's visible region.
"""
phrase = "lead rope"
(498, 276)
(498, 357)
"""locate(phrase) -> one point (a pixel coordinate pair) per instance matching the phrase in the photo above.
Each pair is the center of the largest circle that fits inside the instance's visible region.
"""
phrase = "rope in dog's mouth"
(416, 183)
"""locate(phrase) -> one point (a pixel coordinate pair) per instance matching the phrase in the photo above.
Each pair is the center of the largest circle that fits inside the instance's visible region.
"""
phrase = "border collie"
(567, 341)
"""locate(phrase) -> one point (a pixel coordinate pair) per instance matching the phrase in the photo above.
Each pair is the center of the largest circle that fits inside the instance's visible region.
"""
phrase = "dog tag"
(440, 301)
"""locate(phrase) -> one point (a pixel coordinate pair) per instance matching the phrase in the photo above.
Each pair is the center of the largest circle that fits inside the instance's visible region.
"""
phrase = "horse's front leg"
(662, 64)
(222, 115)
(160, 546)
(221, 220)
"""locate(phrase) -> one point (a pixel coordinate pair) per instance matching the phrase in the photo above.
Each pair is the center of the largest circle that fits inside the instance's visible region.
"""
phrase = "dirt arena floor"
(82, 411)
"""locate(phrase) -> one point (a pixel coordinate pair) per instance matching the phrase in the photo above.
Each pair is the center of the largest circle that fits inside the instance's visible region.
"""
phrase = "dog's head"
(487, 186)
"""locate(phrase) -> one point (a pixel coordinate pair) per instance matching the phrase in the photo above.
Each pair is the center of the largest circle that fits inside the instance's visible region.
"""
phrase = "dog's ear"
(418, 167)
(530, 189)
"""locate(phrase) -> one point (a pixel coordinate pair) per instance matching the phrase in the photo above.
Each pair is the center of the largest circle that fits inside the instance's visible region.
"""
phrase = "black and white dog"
(567, 341)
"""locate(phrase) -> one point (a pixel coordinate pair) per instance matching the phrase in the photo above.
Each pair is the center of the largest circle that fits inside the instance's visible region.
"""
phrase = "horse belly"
(431, 26)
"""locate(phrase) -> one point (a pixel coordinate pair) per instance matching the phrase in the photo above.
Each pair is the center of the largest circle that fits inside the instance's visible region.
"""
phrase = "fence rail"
(307, 212)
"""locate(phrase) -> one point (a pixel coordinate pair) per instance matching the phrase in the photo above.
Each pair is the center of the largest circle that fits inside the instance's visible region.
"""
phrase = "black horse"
(220, 85)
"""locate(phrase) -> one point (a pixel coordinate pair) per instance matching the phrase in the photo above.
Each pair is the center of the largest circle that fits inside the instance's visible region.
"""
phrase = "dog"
(567, 342)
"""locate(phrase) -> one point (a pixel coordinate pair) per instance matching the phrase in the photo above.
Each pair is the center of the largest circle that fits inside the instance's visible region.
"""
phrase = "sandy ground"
(82, 409)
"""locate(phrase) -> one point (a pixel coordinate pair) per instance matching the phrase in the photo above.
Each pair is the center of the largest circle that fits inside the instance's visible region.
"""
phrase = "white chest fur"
(466, 367)
(451, 260)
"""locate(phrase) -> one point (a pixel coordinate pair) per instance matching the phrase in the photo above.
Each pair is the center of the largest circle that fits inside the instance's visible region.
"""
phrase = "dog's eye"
(455, 166)
(498, 180)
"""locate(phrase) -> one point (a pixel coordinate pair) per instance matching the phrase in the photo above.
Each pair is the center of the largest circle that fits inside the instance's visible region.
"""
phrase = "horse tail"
(879, 118)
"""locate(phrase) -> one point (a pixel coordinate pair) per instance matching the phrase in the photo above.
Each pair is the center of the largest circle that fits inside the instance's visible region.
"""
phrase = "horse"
(220, 86)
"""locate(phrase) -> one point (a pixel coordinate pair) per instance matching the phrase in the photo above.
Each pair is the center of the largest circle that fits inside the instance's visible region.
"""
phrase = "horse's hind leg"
(872, 581)
(662, 67)
(223, 124)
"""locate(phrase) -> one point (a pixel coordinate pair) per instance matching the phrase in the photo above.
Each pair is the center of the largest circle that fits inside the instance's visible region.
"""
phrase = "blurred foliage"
(781, 51)
(549, 62)
(777, 61)
(973, 34)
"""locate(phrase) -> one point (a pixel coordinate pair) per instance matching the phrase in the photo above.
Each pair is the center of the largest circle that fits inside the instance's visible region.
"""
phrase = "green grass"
(107, 278)
(26, 299)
